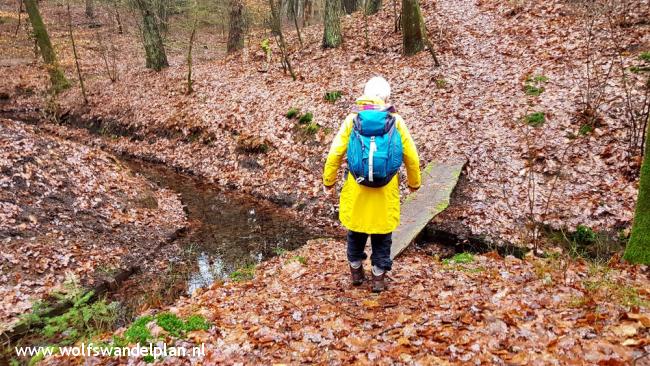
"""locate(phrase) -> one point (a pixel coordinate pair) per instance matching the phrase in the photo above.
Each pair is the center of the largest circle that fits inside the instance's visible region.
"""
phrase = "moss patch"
(535, 119)
(292, 113)
(243, 274)
(638, 248)
(306, 118)
(460, 258)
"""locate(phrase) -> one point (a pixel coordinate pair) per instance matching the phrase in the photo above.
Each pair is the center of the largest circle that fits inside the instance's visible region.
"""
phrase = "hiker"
(376, 141)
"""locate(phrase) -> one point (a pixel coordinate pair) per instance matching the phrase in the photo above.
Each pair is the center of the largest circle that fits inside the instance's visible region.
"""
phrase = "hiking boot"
(357, 275)
(378, 284)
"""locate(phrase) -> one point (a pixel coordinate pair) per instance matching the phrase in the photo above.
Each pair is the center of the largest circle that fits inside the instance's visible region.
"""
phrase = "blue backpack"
(375, 148)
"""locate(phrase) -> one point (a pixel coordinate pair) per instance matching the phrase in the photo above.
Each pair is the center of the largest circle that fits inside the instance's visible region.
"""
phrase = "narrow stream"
(227, 231)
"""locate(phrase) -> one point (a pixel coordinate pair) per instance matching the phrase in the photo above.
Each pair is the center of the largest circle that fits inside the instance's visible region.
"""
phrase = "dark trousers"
(380, 248)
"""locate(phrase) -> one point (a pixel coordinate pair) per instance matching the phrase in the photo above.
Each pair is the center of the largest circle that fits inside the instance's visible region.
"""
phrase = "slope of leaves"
(59, 201)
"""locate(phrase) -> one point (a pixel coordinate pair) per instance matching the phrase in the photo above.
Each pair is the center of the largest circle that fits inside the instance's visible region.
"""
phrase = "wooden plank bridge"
(438, 181)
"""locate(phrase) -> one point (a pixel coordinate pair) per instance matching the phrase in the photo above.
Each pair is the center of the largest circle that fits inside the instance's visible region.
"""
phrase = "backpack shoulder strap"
(391, 122)
(356, 122)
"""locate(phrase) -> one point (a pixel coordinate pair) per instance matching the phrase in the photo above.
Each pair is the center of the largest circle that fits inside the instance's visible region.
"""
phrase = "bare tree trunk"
(295, 19)
(90, 9)
(413, 29)
(237, 30)
(59, 82)
(365, 24)
(190, 83)
(76, 56)
(350, 6)
(276, 25)
(118, 19)
(373, 7)
(396, 18)
(153, 44)
(307, 12)
(20, 13)
(332, 28)
(162, 13)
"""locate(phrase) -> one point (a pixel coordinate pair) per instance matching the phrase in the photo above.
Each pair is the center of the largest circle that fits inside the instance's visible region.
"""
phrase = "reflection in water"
(229, 230)
(208, 270)
(212, 268)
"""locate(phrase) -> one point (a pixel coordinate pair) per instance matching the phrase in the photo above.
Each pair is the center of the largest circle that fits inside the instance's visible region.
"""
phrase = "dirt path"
(482, 76)
(486, 93)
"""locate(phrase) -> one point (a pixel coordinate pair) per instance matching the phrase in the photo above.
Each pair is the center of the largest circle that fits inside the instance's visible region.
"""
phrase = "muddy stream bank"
(226, 235)
(227, 232)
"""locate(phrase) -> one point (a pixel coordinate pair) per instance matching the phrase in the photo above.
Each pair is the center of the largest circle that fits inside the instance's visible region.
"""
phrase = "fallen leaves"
(59, 200)
(644, 319)
(505, 312)
(321, 318)
(624, 330)
(370, 303)
(237, 113)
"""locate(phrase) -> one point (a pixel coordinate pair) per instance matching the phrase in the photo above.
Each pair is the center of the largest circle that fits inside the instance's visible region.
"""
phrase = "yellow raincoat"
(365, 209)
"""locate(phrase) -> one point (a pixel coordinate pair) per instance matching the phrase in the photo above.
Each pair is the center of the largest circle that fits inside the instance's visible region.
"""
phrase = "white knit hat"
(377, 87)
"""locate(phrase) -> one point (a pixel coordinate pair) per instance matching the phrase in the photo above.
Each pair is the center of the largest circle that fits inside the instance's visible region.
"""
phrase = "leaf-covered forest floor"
(300, 308)
(564, 173)
(70, 210)
(232, 131)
